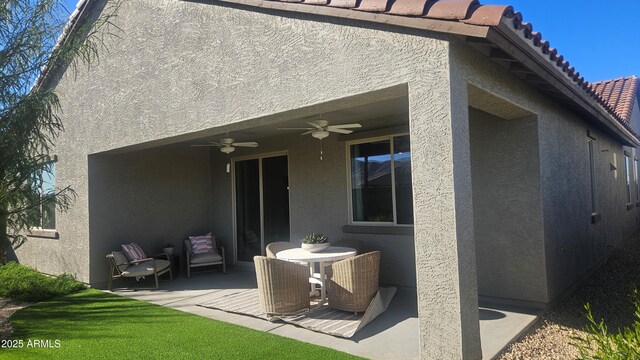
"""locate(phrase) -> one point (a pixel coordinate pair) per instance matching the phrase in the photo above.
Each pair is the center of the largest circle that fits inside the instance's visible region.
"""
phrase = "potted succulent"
(168, 249)
(315, 242)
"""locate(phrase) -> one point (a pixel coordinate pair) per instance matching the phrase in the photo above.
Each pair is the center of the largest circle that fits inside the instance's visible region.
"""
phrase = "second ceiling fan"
(320, 129)
(227, 145)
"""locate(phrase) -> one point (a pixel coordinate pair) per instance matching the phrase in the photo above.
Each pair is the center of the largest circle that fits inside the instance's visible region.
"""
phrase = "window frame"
(591, 147)
(637, 182)
(348, 144)
(40, 231)
(628, 178)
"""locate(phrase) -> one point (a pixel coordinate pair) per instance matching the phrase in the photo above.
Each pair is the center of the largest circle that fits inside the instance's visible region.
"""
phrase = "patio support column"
(443, 214)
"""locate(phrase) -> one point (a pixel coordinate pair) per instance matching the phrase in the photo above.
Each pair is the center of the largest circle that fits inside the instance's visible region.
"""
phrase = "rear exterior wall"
(184, 69)
(572, 244)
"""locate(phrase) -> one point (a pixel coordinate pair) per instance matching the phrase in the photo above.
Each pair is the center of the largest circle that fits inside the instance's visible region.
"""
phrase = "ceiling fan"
(320, 129)
(227, 145)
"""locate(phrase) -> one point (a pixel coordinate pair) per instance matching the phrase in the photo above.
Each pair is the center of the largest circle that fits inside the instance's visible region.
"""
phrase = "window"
(637, 183)
(380, 173)
(45, 182)
(627, 171)
(592, 170)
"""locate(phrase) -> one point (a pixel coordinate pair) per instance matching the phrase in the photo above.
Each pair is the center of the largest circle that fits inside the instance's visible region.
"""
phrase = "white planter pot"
(315, 247)
(168, 251)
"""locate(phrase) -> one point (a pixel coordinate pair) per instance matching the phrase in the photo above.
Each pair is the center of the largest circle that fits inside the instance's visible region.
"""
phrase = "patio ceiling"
(379, 109)
(373, 116)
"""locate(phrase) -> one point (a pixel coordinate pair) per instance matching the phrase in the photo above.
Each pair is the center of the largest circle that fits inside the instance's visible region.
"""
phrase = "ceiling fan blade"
(246, 144)
(288, 128)
(208, 145)
(339, 131)
(345, 126)
(316, 126)
(308, 132)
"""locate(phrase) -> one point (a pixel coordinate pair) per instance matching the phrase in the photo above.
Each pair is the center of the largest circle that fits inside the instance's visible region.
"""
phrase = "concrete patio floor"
(393, 335)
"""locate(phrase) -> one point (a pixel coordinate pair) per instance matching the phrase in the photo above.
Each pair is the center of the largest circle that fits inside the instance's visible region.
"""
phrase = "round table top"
(331, 253)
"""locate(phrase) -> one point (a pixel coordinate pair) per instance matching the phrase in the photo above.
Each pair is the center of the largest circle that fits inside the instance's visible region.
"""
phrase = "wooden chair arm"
(161, 255)
(141, 260)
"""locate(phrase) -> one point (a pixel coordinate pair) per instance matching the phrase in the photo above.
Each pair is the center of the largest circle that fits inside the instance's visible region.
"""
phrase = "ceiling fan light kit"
(320, 134)
(321, 129)
(227, 146)
(227, 149)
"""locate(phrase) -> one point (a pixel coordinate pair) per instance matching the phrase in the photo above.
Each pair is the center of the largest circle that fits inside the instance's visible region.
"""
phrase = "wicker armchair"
(354, 282)
(283, 286)
(275, 247)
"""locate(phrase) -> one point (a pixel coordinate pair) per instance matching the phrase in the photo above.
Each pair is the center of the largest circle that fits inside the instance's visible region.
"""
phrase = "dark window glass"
(627, 169)
(371, 182)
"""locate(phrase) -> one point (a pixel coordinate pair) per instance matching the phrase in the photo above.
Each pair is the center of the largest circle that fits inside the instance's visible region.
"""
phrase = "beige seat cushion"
(209, 257)
(146, 268)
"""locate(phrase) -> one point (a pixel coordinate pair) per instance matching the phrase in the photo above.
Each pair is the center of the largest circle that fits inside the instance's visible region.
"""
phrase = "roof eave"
(515, 45)
(421, 23)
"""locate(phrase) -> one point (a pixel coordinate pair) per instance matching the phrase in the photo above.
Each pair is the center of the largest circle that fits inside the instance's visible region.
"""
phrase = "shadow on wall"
(11, 255)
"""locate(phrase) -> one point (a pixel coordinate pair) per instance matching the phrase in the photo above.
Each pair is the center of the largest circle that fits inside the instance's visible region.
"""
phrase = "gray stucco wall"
(507, 210)
(635, 116)
(150, 197)
(572, 244)
(183, 69)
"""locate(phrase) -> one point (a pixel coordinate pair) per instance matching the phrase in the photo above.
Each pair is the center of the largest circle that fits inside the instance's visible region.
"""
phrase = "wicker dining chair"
(354, 282)
(275, 247)
(350, 243)
(283, 286)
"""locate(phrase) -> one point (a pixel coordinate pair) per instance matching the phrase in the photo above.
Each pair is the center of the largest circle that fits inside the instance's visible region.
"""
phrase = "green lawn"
(97, 325)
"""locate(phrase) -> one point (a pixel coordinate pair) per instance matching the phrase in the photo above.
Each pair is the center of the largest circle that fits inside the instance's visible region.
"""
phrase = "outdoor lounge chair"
(121, 267)
(283, 286)
(204, 259)
(354, 282)
(275, 247)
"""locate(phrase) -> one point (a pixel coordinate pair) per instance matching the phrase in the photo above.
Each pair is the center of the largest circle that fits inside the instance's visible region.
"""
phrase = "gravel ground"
(607, 290)
(7, 308)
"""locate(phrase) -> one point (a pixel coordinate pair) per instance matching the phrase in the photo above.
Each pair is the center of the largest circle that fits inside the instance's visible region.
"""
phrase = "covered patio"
(394, 334)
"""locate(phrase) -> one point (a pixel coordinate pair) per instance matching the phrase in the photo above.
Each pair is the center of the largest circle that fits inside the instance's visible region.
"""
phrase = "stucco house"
(499, 173)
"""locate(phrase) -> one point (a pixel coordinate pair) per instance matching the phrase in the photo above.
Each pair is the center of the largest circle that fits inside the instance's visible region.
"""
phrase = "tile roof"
(618, 94)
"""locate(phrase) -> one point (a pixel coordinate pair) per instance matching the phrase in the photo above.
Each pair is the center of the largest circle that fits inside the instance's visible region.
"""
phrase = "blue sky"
(601, 39)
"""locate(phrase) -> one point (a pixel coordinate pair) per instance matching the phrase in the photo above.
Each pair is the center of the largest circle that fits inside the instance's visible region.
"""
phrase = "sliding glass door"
(261, 204)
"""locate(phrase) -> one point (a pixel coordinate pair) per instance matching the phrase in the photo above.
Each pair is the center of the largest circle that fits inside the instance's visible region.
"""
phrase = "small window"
(637, 183)
(592, 170)
(45, 182)
(381, 187)
(627, 170)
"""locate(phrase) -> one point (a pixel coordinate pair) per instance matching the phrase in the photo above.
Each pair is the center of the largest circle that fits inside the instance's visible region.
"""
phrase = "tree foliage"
(37, 41)
(602, 344)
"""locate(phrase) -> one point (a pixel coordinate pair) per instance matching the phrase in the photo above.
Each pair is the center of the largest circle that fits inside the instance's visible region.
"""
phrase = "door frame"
(259, 157)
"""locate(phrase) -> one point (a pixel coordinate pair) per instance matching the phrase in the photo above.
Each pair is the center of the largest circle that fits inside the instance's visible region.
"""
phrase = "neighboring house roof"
(619, 94)
(496, 30)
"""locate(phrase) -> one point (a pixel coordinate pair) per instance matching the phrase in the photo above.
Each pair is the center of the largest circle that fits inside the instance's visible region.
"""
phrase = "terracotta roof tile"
(374, 5)
(450, 9)
(409, 7)
(619, 95)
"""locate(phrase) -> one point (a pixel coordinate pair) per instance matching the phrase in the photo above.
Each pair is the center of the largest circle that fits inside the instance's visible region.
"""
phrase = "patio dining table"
(324, 257)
